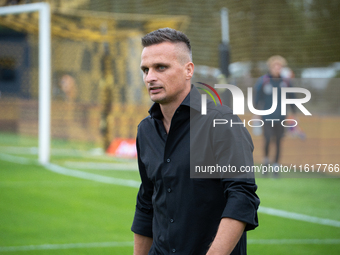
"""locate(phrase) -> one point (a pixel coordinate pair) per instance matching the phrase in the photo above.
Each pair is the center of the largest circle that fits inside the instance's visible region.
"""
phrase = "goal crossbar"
(44, 71)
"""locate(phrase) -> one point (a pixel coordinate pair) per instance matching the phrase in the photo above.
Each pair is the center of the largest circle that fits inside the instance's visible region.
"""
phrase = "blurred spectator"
(264, 100)
(69, 87)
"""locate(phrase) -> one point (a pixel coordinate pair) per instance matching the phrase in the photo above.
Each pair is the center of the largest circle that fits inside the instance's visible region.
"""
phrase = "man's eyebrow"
(161, 64)
(155, 65)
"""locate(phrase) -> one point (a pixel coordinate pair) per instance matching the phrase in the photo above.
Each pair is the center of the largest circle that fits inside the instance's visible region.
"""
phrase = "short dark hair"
(166, 35)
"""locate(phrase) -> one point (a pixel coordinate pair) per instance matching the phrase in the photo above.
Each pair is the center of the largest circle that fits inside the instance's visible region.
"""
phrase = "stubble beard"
(159, 100)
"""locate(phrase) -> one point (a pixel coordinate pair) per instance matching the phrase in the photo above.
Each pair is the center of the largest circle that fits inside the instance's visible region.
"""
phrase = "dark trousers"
(276, 131)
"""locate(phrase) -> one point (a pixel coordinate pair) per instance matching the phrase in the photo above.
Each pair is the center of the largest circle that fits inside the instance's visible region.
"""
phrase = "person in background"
(264, 100)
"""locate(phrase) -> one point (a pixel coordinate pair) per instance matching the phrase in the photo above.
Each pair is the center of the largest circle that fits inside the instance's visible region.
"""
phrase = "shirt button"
(173, 250)
(172, 220)
(169, 190)
(168, 160)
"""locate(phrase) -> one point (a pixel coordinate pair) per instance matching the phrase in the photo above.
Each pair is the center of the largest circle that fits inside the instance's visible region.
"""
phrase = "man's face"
(275, 68)
(166, 72)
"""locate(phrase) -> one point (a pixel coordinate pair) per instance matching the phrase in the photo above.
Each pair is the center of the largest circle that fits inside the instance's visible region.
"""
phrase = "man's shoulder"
(147, 126)
(218, 110)
(145, 122)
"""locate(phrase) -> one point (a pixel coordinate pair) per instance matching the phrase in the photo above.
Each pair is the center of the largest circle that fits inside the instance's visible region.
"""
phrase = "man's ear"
(189, 68)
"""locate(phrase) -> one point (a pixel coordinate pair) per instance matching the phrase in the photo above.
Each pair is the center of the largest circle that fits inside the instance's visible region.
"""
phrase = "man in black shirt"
(176, 213)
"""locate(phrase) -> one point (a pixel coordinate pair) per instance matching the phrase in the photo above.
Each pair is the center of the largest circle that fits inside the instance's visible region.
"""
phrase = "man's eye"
(161, 67)
(146, 70)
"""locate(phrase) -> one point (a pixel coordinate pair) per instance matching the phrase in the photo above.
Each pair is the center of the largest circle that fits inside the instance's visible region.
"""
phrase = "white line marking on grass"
(74, 173)
(59, 152)
(65, 246)
(34, 151)
(92, 177)
(128, 244)
(293, 241)
(298, 216)
(136, 184)
(102, 166)
(20, 150)
(18, 160)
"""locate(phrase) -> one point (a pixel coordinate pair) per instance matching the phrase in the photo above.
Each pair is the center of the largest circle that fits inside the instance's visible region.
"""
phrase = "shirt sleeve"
(242, 202)
(142, 222)
(234, 147)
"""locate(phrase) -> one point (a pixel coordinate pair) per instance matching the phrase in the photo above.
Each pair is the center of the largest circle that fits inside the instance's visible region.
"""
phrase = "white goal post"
(44, 71)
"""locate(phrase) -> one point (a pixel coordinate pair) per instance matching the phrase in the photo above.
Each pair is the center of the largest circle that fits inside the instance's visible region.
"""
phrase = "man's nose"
(150, 76)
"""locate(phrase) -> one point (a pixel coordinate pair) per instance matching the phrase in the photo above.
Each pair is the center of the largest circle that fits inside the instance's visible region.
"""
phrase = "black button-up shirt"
(180, 213)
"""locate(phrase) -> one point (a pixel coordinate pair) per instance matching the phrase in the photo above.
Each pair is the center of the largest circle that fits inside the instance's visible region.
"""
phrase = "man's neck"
(168, 111)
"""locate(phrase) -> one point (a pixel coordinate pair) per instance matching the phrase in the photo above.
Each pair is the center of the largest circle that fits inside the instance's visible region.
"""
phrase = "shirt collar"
(193, 100)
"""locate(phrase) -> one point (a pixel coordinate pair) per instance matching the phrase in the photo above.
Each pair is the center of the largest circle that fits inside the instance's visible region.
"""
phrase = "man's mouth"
(155, 89)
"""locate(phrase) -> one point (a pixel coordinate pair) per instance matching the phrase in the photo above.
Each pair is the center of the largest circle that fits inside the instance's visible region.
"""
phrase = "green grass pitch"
(71, 215)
